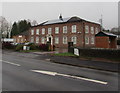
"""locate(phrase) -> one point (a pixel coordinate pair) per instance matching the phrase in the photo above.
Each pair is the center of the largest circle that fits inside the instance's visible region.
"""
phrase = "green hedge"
(19, 47)
(100, 53)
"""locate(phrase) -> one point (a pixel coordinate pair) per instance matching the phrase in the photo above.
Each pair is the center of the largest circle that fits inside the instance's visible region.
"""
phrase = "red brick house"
(21, 38)
(63, 30)
(106, 40)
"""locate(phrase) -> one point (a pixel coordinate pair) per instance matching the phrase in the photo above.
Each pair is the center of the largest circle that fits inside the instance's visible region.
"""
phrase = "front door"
(50, 40)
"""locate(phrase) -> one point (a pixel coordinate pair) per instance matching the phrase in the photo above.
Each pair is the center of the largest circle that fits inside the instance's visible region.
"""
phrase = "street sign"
(76, 51)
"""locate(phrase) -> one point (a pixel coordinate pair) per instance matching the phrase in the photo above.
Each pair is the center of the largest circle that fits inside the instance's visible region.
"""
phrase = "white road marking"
(70, 76)
(10, 63)
(45, 72)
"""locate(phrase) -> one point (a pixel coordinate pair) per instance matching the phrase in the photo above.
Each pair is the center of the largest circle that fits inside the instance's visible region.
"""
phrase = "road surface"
(23, 72)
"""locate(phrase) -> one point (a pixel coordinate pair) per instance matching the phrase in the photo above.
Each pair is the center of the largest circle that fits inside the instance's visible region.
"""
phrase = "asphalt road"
(23, 72)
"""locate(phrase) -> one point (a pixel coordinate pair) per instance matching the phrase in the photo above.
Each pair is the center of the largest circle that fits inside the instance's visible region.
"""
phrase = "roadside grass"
(65, 54)
(113, 60)
(26, 51)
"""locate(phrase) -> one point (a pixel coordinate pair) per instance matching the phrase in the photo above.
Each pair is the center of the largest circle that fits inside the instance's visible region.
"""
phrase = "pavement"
(100, 65)
(33, 72)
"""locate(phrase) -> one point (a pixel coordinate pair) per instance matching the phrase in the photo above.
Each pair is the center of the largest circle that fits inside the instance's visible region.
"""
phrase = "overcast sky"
(42, 11)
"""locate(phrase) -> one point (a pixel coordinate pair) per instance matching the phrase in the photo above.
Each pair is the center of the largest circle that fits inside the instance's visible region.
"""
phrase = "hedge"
(7, 45)
(101, 53)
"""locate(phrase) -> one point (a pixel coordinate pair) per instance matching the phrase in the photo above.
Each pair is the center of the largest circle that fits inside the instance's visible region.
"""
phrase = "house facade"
(63, 30)
(21, 38)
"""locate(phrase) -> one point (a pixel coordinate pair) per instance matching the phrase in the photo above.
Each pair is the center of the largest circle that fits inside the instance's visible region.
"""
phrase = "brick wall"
(102, 42)
(80, 34)
(20, 38)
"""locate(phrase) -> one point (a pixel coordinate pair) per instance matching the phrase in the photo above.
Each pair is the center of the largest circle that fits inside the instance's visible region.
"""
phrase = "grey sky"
(40, 11)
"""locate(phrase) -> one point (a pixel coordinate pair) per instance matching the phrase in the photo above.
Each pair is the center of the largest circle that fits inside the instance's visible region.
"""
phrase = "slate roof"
(56, 21)
(65, 20)
(105, 34)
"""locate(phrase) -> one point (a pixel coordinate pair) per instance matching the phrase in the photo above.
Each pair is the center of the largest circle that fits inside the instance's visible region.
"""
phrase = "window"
(64, 40)
(20, 36)
(56, 30)
(43, 40)
(43, 31)
(64, 29)
(92, 40)
(92, 30)
(18, 41)
(86, 40)
(21, 40)
(49, 30)
(86, 29)
(37, 31)
(73, 28)
(56, 40)
(37, 39)
(32, 39)
(32, 32)
(74, 40)
(14, 39)
(96, 30)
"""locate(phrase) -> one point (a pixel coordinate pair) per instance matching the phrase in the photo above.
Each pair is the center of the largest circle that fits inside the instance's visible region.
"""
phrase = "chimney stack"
(60, 17)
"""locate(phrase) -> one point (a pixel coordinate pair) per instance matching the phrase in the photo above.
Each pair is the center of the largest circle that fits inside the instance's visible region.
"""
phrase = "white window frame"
(56, 30)
(43, 40)
(64, 29)
(92, 30)
(92, 40)
(49, 30)
(74, 28)
(86, 29)
(32, 32)
(96, 30)
(43, 31)
(37, 39)
(37, 31)
(87, 38)
(65, 39)
(74, 39)
(56, 40)
(32, 39)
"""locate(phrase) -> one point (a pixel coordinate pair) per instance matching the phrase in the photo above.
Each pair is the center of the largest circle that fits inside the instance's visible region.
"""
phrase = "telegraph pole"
(101, 22)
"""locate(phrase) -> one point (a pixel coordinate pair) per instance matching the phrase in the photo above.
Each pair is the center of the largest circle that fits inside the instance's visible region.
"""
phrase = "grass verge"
(65, 54)
(26, 51)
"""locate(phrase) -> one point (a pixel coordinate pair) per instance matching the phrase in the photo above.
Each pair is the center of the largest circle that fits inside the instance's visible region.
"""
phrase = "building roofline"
(69, 20)
(101, 33)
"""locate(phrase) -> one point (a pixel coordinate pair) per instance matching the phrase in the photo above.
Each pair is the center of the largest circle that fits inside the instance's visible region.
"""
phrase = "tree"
(4, 26)
(9, 30)
(14, 30)
(34, 23)
(19, 27)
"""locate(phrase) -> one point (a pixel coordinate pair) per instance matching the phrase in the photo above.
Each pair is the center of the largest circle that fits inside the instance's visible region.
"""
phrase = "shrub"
(19, 47)
(101, 53)
(44, 47)
(7, 45)
(32, 46)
